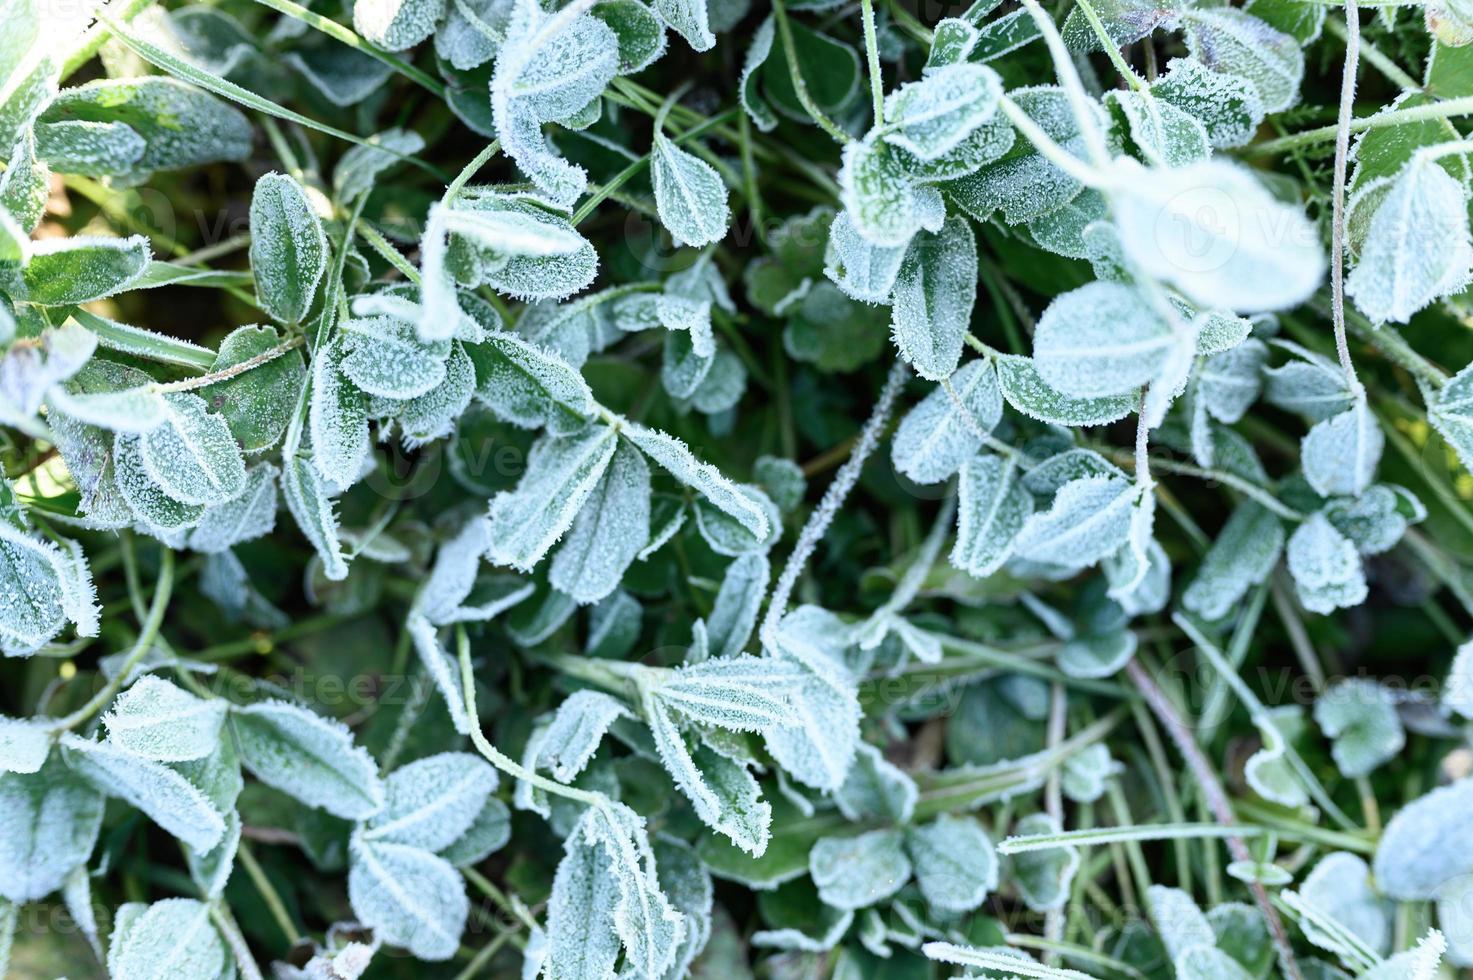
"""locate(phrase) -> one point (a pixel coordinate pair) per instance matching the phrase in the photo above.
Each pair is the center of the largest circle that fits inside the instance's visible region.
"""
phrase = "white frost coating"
(288, 247)
(931, 117)
(935, 439)
(1235, 42)
(861, 269)
(1418, 247)
(578, 726)
(1025, 390)
(168, 799)
(1450, 410)
(1340, 454)
(1325, 566)
(854, 872)
(992, 509)
(954, 861)
(1359, 716)
(337, 418)
(1244, 553)
(1089, 520)
(1340, 887)
(609, 531)
(397, 24)
(308, 500)
(935, 291)
(1214, 232)
(170, 938)
(1043, 876)
(1099, 340)
(408, 896)
(740, 694)
(309, 757)
(561, 474)
(385, 356)
(431, 802)
(689, 195)
(250, 515)
(705, 479)
(734, 613)
(442, 668)
(51, 818)
(1426, 845)
(158, 720)
(1228, 106)
(1178, 919)
(191, 455)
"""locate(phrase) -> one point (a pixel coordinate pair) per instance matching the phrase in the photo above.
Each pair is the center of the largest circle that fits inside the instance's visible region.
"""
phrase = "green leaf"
(161, 792)
(853, 872)
(955, 864)
(408, 897)
(396, 25)
(65, 271)
(257, 403)
(431, 802)
(935, 291)
(561, 475)
(172, 937)
(192, 455)
(308, 757)
(689, 195)
(992, 508)
(51, 819)
(931, 117)
(288, 248)
(1359, 717)
(161, 722)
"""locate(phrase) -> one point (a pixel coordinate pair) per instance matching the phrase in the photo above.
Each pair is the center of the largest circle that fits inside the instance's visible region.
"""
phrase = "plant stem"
(872, 56)
(346, 36)
(468, 171)
(162, 589)
(1448, 109)
(833, 499)
(1217, 801)
(269, 895)
(235, 370)
(800, 85)
(1342, 156)
(1112, 52)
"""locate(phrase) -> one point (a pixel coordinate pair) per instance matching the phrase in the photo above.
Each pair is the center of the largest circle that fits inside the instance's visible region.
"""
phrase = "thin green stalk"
(1450, 109)
(452, 191)
(800, 85)
(387, 251)
(1112, 52)
(162, 590)
(872, 57)
(269, 895)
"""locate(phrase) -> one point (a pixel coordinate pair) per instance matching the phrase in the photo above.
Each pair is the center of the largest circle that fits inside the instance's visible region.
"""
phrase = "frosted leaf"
(408, 897)
(431, 802)
(650, 928)
(1101, 339)
(1088, 772)
(360, 167)
(384, 356)
(337, 418)
(1230, 381)
(1027, 391)
(143, 495)
(863, 270)
(161, 722)
(609, 531)
(1417, 247)
(749, 86)
(528, 386)
(172, 937)
(1450, 410)
(1228, 106)
(1166, 135)
(29, 371)
(168, 798)
(1453, 918)
(689, 194)
(705, 479)
(51, 818)
(250, 515)
(309, 757)
(1213, 231)
(886, 207)
(1062, 230)
(443, 671)
(520, 132)
(192, 455)
(682, 368)
(454, 572)
(529, 252)
(690, 19)
(488, 833)
(640, 32)
(1043, 876)
(1326, 568)
(854, 872)
(1088, 521)
(1421, 963)
(935, 291)
(578, 726)
(734, 614)
(1268, 771)
(954, 861)
(782, 480)
(1023, 184)
(1340, 888)
(472, 32)
(1359, 717)
(741, 693)
(44, 587)
(1340, 454)
(1377, 519)
(1242, 556)
(1179, 921)
(562, 74)
(935, 439)
(723, 386)
(992, 508)
(876, 789)
(67, 271)
(930, 117)
(1237, 43)
(24, 744)
(307, 499)
(1097, 655)
(581, 940)
(397, 24)
(561, 474)
(723, 793)
(288, 247)
(432, 415)
(1314, 388)
(181, 125)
